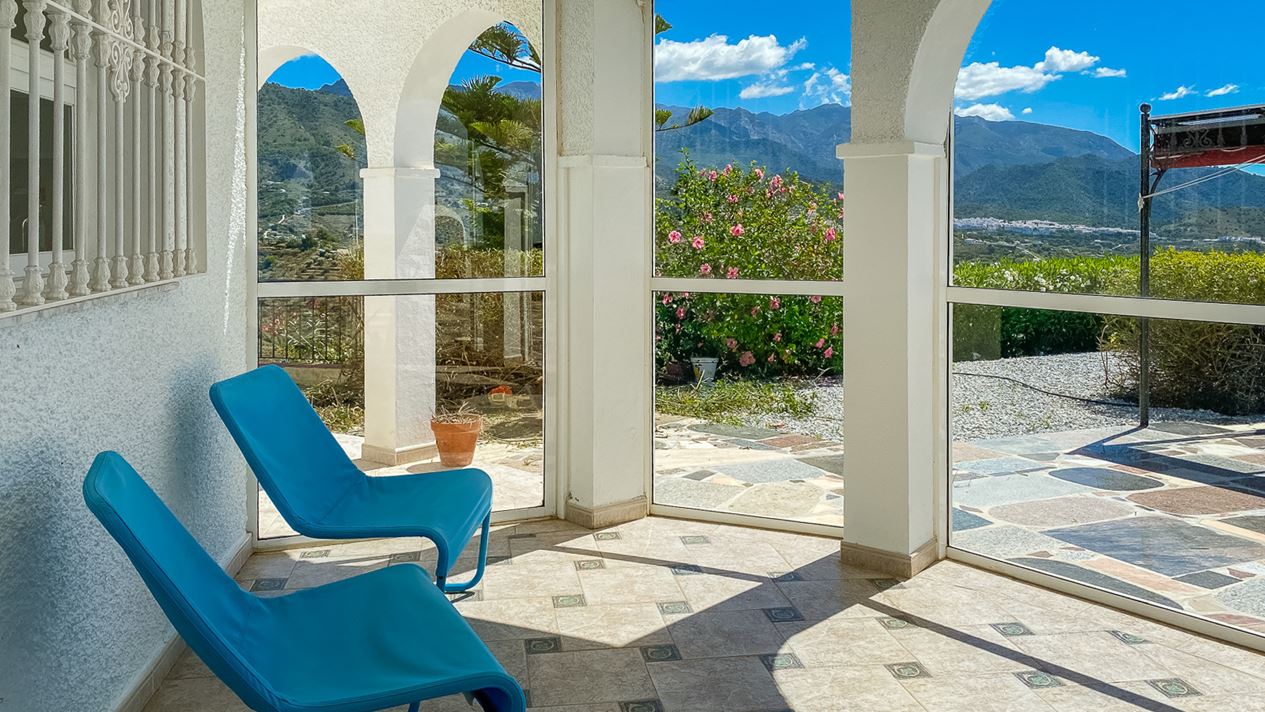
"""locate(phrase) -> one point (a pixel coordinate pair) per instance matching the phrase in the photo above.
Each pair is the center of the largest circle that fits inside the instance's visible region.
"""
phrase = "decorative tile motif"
(686, 569)
(590, 565)
(315, 554)
(1174, 687)
(1038, 680)
(641, 706)
(268, 584)
(406, 558)
(695, 540)
(783, 615)
(785, 576)
(781, 661)
(675, 608)
(569, 601)
(1011, 630)
(895, 623)
(907, 671)
(538, 646)
(660, 653)
(1128, 638)
(607, 536)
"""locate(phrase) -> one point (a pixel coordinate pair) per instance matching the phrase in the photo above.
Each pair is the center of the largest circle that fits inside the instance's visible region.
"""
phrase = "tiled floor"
(671, 616)
(1174, 514)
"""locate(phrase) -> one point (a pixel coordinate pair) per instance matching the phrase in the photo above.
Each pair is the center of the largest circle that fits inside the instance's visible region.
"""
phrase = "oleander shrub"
(749, 223)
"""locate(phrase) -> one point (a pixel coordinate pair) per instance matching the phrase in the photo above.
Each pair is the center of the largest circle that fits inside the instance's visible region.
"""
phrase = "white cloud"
(1109, 73)
(1224, 90)
(979, 80)
(1180, 92)
(1066, 60)
(763, 90)
(988, 112)
(1027, 111)
(828, 86)
(714, 58)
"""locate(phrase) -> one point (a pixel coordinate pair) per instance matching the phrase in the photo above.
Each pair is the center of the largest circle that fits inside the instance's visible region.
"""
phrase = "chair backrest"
(297, 460)
(205, 605)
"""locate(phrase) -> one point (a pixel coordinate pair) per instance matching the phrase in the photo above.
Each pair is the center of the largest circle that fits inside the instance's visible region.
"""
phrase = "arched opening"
(1100, 160)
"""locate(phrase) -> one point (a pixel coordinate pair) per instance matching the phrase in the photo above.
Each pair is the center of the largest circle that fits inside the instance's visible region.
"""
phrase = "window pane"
(481, 210)
(376, 372)
(1052, 470)
(748, 405)
(1047, 155)
(747, 182)
(18, 168)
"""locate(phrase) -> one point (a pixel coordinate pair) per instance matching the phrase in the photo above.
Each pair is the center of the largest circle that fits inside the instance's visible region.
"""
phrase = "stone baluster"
(81, 53)
(152, 266)
(120, 67)
(101, 59)
(8, 289)
(33, 285)
(178, 81)
(59, 36)
(190, 88)
(136, 270)
(169, 200)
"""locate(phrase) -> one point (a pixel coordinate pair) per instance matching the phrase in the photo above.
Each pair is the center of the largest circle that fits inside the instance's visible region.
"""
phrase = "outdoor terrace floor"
(666, 615)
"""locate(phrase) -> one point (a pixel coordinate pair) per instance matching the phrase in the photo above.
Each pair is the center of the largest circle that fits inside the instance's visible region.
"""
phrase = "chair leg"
(442, 581)
(415, 707)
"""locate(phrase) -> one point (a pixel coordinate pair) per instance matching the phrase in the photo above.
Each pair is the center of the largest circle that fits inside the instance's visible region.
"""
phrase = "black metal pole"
(1144, 271)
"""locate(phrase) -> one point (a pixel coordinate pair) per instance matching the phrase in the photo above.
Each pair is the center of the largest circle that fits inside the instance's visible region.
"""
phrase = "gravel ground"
(986, 406)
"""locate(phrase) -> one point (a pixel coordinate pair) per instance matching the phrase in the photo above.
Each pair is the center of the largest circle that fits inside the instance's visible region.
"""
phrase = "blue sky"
(1074, 63)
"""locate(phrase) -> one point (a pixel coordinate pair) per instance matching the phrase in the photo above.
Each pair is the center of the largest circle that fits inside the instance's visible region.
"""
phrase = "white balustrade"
(142, 99)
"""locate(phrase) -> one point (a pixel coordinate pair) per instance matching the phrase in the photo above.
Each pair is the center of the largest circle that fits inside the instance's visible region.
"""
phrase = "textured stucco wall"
(382, 48)
(76, 624)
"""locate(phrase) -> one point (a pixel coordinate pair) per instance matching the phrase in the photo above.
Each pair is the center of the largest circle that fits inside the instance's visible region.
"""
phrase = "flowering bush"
(736, 223)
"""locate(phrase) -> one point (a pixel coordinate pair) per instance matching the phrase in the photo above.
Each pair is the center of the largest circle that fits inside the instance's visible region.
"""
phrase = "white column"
(33, 285)
(8, 288)
(399, 331)
(604, 83)
(81, 53)
(892, 301)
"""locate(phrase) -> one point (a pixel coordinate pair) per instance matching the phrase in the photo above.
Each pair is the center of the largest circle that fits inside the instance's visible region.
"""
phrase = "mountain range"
(1015, 170)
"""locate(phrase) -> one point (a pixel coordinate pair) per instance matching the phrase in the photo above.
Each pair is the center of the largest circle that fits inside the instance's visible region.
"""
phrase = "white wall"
(76, 624)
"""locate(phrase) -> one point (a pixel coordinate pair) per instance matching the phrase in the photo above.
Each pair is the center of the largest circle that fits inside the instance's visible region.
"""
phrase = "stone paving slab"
(1199, 500)
(1062, 511)
(1096, 579)
(1103, 478)
(1161, 544)
(1009, 489)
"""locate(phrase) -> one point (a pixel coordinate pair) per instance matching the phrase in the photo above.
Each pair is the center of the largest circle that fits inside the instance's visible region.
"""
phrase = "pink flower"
(674, 236)
(815, 299)
(732, 273)
(705, 269)
(667, 299)
(697, 242)
(737, 230)
(759, 173)
(829, 352)
(776, 182)
(732, 344)
(777, 338)
(831, 234)
(711, 176)
(685, 295)
(821, 343)
(775, 303)
(755, 311)
(729, 169)
(772, 358)
(834, 329)
(680, 313)
(746, 359)
(708, 218)
(841, 197)
(732, 198)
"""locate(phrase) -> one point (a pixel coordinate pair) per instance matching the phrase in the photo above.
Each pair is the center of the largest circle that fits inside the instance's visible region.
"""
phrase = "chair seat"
(384, 638)
(447, 506)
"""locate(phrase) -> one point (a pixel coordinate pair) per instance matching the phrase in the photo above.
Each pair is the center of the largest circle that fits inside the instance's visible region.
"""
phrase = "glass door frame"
(1166, 309)
(547, 285)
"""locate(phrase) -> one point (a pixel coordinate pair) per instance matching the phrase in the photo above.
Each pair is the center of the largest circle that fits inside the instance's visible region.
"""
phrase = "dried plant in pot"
(456, 435)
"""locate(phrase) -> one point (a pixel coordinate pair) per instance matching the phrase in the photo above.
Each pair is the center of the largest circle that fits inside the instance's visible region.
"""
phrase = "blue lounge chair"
(371, 642)
(322, 494)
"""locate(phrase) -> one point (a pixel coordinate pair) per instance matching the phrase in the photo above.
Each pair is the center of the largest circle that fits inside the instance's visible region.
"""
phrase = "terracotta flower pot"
(456, 441)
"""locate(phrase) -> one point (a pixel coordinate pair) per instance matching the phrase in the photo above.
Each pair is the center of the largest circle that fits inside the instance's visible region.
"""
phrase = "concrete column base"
(901, 566)
(608, 515)
(398, 456)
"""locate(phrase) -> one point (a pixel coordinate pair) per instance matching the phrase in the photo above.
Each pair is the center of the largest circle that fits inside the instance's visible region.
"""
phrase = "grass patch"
(735, 402)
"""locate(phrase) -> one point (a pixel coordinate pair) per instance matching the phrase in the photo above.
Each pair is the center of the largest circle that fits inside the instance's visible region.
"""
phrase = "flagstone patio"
(1173, 514)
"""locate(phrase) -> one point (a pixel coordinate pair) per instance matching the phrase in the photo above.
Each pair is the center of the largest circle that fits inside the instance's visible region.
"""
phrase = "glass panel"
(376, 373)
(488, 218)
(19, 163)
(748, 405)
(1047, 155)
(1052, 470)
(747, 182)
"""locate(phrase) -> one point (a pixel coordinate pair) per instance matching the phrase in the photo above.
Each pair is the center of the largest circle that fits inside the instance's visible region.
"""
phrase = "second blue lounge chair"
(321, 493)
